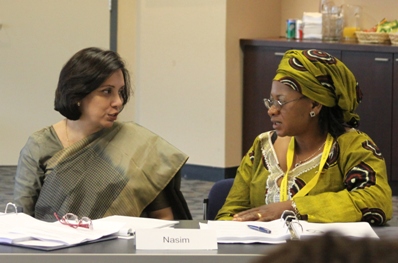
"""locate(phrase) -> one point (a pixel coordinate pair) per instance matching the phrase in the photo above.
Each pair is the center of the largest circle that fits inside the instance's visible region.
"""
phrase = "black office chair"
(216, 198)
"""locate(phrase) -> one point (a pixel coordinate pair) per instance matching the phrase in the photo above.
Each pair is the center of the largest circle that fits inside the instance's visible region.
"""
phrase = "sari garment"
(117, 171)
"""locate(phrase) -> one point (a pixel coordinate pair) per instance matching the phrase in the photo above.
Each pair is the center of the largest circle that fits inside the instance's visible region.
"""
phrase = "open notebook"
(280, 230)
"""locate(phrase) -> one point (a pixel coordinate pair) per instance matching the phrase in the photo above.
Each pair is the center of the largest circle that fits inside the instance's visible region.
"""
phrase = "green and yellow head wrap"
(322, 78)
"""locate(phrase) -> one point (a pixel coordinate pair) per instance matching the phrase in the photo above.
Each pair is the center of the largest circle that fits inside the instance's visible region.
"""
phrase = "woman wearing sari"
(314, 162)
(91, 165)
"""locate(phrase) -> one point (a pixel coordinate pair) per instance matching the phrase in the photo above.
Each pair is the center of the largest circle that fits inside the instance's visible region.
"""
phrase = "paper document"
(239, 232)
(24, 230)
(351, 229)
(278, 232)
(131, 224)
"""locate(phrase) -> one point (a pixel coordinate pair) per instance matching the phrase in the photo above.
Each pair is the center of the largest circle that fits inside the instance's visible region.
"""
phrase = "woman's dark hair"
(331, 120)
(83, 73)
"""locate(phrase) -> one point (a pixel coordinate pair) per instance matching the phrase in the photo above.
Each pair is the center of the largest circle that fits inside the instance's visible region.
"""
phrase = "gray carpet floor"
(194, 191)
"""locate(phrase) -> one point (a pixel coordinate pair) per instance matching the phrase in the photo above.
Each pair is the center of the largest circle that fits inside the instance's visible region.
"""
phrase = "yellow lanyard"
(289, 160)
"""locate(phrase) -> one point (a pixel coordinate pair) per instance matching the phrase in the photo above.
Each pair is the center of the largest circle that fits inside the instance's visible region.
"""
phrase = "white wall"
(180, 92)
(126, 47)
(36, 40)
(189, 83)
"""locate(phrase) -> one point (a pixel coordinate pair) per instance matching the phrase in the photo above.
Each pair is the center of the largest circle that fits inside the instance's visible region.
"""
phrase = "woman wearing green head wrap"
(314, 162)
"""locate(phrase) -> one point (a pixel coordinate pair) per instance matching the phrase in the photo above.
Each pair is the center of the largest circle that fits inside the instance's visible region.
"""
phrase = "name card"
(180, 239)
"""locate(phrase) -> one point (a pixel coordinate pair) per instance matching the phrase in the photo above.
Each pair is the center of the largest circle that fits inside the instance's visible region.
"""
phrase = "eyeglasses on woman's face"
(277, 103)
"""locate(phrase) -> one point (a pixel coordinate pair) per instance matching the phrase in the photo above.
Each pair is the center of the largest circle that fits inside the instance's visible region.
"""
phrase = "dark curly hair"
(83, 73)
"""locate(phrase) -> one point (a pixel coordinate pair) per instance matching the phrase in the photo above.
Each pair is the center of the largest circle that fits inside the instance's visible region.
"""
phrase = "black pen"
(259, 228)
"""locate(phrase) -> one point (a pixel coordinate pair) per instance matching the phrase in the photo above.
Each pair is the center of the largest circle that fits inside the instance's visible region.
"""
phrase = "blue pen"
(259, 228)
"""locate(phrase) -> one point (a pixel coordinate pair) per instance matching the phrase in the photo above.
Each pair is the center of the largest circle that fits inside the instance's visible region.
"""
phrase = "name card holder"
(175, 239)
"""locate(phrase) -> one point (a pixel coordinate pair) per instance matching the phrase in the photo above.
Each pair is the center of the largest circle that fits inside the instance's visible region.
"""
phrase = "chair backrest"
(216, 198)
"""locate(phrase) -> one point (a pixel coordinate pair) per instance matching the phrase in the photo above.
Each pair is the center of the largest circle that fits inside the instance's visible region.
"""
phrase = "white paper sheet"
(16, 228)
(131, 224)
(239, 232)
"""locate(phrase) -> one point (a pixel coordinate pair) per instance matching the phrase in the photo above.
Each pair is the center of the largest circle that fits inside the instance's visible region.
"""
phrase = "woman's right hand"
(265, 212)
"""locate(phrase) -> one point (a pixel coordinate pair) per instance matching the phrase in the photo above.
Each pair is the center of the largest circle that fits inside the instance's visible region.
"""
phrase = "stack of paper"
(239, 232)
(23, 230)
(312, 25)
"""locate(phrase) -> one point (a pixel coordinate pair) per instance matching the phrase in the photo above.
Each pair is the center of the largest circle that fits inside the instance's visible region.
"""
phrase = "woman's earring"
(78, 104)
(312, 114)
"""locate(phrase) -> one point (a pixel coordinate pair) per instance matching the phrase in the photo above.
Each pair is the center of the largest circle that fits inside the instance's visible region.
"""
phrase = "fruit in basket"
(384, 26)
(387, 26)
(373, 29)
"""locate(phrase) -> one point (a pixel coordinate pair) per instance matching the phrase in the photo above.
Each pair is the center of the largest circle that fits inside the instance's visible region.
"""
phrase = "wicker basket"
(372, 37)
(393, 38)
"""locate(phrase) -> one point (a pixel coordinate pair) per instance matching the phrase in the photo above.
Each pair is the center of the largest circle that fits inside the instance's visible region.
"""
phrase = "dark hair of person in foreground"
(333, 248)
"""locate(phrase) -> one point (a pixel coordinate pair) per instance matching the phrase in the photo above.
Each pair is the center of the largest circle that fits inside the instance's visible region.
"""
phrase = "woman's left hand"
(265, 212)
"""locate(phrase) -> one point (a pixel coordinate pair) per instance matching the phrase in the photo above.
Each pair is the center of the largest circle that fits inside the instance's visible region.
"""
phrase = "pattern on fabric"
(333, 156)
(272, 192)
(374, 216)
(322, 78)
(298, 184)
(251, 156)
(75, 192)
(371, 146)
(327, 82)
(360, 176)
(292, 83)
(296, 64)
(319, 56)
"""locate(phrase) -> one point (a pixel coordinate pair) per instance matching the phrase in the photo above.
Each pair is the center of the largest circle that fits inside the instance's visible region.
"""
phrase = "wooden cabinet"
(394, 133)
(259, 66)
(374, 66)
(374, 72)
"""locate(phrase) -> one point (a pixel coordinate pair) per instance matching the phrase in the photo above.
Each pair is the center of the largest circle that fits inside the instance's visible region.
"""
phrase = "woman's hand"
(265, 212)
